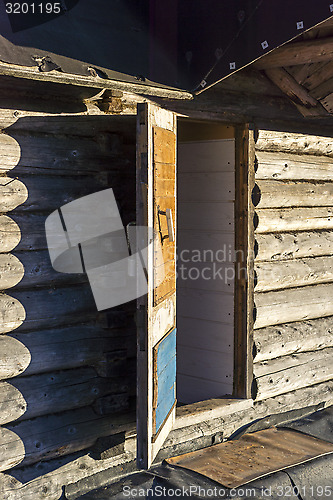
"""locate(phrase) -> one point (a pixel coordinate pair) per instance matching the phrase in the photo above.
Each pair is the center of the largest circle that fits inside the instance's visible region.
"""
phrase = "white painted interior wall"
(205, 307)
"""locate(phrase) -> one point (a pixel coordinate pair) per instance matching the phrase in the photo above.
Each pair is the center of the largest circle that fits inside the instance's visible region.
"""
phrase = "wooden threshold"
(201, 411)
(194, 413)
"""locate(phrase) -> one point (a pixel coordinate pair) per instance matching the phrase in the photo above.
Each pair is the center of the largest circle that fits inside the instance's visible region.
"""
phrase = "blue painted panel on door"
(165, 379)
(166, 349)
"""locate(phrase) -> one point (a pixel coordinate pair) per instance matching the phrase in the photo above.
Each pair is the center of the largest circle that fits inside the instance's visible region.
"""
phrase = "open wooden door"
(156, 208)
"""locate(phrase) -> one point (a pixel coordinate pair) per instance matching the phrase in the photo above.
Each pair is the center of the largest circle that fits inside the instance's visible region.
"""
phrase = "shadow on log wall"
(66, 371)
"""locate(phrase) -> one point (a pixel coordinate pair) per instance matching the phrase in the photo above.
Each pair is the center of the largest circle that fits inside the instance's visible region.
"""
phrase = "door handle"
(169, 220)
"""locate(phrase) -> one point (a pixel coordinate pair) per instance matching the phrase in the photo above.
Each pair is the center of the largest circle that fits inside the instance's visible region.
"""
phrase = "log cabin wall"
(67, 372)
(293, 198)
(79, 432)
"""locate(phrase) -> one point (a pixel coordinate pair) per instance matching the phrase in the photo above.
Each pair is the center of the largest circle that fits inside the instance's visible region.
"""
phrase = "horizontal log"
(84, 86)
(293, 273)
(79, 124)
(234, 107)
(284, 246)
(12, 313)
(12, 193)
(292, 372)
(295, 304)
(26, 231)
(286, 166)
(270, 220)
(56, 155)
(46, 308)
(15, 357)
(318, 394)
(304, 401)
(17, 99)
(22, 232)
(117, 318)
(10, 234)
(48, 193)
(10, 151)
(38, 395)
(11, 271)
(278, 193)
(47, 437)
(69, 470)
(275, 341)
(112, 403)
(63, 348)
(116, 363)
(33, 269)
(295, 53)
(292, 143)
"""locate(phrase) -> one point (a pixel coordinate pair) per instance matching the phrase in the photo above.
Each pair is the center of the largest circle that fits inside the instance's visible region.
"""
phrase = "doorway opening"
(205, 260)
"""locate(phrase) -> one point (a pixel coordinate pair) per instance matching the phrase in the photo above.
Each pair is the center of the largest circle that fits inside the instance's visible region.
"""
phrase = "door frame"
(244, 286)
(244, 214)
(245, 252)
